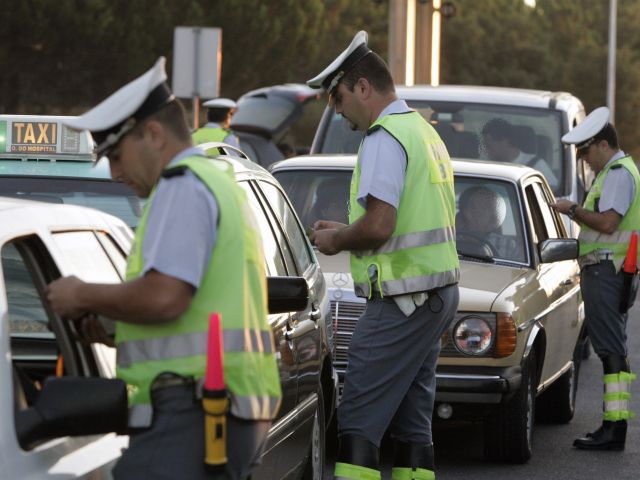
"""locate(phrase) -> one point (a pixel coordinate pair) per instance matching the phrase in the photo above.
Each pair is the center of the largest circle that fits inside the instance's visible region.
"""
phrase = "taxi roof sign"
(27, 137)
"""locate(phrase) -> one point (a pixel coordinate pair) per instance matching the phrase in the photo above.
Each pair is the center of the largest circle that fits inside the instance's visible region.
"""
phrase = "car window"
(27, 315)
(539, 228)
(273, 258)
(111, 197)
(317, 194)
(489, 220)
(534, 132)
(547, 214)
(299, 242)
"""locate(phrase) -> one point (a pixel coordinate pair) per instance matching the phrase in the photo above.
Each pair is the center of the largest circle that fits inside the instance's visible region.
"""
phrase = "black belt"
(433, 291)
(165, 380)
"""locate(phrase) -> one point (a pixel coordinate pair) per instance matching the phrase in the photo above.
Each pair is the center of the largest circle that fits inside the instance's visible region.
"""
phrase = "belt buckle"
(168, 379)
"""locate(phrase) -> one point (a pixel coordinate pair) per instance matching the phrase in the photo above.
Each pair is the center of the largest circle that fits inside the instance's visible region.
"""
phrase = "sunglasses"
(584, 149)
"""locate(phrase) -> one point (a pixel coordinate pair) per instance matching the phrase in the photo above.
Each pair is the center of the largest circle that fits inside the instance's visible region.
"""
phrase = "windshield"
(529, 136)
(488, 220)
(111, 197)
(317, 194)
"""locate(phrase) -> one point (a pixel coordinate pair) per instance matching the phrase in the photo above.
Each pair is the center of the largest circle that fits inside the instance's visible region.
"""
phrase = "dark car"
(263, 118)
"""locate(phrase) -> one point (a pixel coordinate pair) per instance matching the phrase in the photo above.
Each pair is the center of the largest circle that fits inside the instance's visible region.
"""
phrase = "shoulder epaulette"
(373, 129)
(174, 172)
(617, 166)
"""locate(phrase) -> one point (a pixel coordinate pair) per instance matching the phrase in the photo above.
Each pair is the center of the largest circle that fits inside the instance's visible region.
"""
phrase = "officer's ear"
(156, 133)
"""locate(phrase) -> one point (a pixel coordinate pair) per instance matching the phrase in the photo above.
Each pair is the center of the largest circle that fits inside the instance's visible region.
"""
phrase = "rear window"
(532, 134)
(108, 196)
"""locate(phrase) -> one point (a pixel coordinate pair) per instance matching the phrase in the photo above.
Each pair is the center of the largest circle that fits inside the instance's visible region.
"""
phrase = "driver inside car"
(481, 213)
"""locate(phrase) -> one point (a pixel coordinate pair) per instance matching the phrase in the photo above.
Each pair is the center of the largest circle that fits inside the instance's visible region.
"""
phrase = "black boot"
(610, 436)
(412, 457)
(356, 453)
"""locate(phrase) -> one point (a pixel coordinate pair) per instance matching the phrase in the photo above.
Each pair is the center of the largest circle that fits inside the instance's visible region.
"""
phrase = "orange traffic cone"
(631, 261)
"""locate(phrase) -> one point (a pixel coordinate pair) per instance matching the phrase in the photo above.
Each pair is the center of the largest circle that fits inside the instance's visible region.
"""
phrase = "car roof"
(490, 95)
(24, 216)
(507, 171)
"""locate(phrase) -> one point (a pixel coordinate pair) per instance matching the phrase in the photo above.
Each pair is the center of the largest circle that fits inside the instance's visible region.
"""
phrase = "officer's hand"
(90, 330)
(562, 205)
(63, 295)
(325, 240)
(325, 224)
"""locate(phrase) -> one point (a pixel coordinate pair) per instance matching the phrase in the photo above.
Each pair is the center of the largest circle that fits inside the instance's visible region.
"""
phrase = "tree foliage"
(63, 56)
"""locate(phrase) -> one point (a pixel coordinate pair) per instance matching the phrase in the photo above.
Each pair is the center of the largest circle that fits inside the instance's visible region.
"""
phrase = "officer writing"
(196, 251)
(611, 212)
(401, 235)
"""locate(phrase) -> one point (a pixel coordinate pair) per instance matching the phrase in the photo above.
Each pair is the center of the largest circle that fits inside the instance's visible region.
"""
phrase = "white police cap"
(110, 120)
(331, 76)
(220, 103)
(588, 128)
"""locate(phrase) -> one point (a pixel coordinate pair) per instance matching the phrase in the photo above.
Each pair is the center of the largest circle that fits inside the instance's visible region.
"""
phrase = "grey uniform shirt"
(383, 164)
(182, 226)
(618, 189)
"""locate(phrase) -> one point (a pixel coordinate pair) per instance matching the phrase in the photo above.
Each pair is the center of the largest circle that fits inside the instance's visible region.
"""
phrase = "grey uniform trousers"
(601, 290)
(173, 448)
(390, 379)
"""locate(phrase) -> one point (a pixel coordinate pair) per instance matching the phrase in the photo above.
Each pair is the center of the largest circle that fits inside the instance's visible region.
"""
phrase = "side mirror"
(558, 249)
(74, 406)
(287, 294)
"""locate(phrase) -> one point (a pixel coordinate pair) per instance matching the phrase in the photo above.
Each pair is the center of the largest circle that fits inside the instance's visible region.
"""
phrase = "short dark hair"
(174, 117)
(498, 129)
(217, 115)
(375, 70)
(609, 134)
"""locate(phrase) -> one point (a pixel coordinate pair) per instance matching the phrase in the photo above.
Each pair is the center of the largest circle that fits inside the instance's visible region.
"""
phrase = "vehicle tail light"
(506, 336)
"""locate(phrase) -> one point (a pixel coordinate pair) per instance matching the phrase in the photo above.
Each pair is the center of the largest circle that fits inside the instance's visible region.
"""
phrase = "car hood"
(480, 283)
(269, 111)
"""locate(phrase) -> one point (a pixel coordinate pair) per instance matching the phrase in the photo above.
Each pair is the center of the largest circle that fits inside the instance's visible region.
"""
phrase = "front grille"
(345, 315)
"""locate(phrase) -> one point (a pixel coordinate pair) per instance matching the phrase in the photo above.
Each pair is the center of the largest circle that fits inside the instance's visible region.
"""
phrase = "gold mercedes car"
(513, 350)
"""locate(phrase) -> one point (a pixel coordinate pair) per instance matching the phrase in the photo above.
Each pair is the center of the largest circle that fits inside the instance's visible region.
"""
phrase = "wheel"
(508, 432)
(474, 244)
(558, 403)
(314, 469)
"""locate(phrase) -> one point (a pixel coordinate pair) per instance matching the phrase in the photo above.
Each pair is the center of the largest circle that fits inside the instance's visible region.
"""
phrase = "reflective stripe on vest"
(175, 346)
(617, 242)
(233, 284)
(413, 240)
(404, 473)
(421, 253)
(207, 134)
(617, 394)
(355, 472)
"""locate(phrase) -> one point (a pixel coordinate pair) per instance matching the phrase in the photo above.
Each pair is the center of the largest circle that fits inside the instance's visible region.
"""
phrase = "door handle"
(300, 329)
(315, 314)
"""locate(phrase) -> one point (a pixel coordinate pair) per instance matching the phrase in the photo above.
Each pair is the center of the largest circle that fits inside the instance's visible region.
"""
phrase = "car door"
(304, 333)
(42, 345)
(276, 460)
(559, 281)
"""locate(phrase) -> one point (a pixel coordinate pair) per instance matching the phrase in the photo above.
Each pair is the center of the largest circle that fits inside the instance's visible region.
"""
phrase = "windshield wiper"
(482, 258)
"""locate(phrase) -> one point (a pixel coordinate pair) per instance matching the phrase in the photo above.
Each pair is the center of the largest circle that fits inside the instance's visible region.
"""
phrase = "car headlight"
(472, 335)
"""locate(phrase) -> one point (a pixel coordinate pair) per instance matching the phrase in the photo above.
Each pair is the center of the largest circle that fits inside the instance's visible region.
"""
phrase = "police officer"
(611, 212)
(196, 251)
(217, 129)
(401, 235)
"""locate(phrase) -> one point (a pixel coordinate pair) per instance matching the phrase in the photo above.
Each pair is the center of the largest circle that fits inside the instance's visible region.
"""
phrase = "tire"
(508, 432)
(558, 403)
(314, 470)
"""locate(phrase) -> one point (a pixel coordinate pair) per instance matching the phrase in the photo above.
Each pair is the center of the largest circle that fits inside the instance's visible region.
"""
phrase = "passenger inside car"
(330, 202)
(481, 214)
